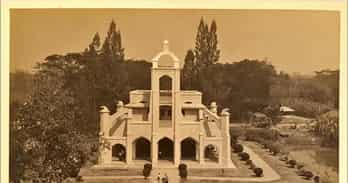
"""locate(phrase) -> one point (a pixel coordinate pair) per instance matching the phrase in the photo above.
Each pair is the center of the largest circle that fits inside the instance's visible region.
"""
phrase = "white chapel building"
(164, 125)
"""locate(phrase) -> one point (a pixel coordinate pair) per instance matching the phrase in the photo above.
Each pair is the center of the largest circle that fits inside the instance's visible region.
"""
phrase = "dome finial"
(165, 45)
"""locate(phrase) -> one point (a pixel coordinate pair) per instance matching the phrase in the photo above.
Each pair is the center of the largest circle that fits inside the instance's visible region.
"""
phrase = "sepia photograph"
(175, 95)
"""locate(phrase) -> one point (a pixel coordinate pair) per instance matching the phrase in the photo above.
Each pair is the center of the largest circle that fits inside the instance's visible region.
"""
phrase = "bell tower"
(165, 98)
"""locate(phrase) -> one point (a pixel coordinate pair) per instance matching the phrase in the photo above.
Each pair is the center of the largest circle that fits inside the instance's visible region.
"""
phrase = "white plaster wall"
(139, 96)
(189, 130)
(140, 129)
(166, 61)
(195, 98)
(166, 132)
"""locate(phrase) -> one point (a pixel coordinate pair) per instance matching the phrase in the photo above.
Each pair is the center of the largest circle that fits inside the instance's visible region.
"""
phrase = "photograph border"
(330, 5)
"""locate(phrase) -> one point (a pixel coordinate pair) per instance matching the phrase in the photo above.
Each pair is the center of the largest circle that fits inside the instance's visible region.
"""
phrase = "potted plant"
(308, 175)
(147, 170)
(292, 163)
(258, 172)
(183, 170)
(244, 156)
(316, 179)
(238, 148)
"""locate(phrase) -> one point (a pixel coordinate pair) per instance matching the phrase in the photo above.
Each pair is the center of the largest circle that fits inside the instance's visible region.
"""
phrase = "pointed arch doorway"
(165, 149)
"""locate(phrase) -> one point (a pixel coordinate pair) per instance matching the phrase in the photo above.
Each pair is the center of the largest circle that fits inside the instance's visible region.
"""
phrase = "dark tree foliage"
(331, 79)
(310, 96)
(189, 71)
(112, 47)
(206, 50)
(242, 86)
(50, 128)
(46, 146)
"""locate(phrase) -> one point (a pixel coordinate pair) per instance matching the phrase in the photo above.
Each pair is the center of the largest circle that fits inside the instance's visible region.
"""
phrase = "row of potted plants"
(244, 156)
(274, 149)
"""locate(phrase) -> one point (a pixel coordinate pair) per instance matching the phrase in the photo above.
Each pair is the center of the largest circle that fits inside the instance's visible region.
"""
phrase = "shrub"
(275, 149)
(308, 175)
(327, 128)
(292, 163)
(248, 162)
(182, 166)
(244, 156)
(147, 170)
(316, 179)
(264, 124)
(238, 148)
(258, 172)
(67, 180)
(183, 170)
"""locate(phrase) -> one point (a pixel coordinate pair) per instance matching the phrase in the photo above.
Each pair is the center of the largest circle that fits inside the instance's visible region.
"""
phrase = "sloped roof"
(286, 109)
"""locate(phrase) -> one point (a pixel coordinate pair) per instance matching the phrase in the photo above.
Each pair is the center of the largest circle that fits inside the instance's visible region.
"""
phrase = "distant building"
(165, 124)
(286, 110)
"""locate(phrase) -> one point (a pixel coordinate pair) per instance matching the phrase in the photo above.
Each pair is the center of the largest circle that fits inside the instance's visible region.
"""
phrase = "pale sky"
(293, 41)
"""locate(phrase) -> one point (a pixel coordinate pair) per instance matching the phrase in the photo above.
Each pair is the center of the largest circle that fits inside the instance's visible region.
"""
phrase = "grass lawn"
(305, 148)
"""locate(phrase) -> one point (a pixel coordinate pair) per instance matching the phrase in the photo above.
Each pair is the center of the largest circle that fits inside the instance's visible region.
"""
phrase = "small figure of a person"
(165, 178)
(159, 177)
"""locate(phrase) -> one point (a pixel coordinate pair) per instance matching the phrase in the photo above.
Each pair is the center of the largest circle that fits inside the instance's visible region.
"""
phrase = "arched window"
(188, 149)
(142, 149)
(165, 149)
(118, 152)
(165, 83)
(211, 153)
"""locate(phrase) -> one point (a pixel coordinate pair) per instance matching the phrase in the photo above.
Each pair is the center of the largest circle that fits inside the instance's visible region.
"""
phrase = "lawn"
(305, 148)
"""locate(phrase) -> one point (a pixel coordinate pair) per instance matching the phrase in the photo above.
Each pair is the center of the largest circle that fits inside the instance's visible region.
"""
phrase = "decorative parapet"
(104, 109)
(225, 121)
(225, 112)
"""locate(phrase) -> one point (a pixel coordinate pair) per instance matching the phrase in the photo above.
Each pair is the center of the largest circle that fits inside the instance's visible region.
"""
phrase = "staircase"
(118, 123)
(211, 124)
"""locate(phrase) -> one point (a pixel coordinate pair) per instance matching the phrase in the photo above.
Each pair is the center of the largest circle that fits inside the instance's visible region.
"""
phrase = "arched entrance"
(165, 149)
(211, 153)
(142, 149)
(118, 152)
(188, 149)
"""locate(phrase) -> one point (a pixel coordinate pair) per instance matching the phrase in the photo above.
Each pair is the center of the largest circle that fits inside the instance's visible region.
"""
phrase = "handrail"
(117, 120)
(209, 113)
(118, 114)
(212, 117)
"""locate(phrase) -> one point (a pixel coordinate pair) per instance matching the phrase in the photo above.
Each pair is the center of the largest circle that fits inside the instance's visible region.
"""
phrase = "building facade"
(164, 124)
